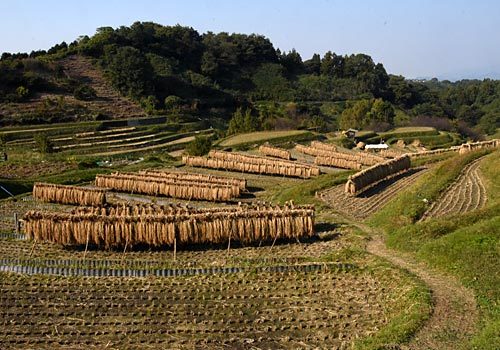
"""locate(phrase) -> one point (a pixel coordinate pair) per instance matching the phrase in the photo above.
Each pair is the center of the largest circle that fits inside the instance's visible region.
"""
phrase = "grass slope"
(260, 136)
(466, 246)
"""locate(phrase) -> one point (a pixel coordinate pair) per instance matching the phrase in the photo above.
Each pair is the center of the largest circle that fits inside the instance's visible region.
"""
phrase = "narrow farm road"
(454, 310)
(454, 316)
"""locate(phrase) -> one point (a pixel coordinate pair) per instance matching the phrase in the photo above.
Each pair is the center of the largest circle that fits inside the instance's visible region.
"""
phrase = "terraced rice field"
(466, 194)
(365, 204)
(285, 310)
(260, 306)
(113, 141)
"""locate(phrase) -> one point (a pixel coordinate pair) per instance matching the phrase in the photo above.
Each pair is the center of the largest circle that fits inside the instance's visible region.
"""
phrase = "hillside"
(109, 101)
(107, 104)
(178, 71)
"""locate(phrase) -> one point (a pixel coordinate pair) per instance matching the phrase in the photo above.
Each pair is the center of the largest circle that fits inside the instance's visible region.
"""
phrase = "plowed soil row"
(466, 194)
(362, 206)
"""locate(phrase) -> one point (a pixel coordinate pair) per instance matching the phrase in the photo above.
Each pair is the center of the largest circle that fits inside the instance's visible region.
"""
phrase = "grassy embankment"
(466, 246)
(243, 141)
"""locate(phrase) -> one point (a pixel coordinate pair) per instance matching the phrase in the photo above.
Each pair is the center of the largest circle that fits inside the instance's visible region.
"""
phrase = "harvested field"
(65, 194)
(391, 153)
(23, 171)
(362, 206)
(466, 194)
(327, 308)
(285, 296)
(260, 136)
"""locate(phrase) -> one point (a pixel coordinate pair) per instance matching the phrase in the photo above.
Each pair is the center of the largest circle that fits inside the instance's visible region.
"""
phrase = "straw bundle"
(241, 183)
(391, 153)
(337, 162)
(250, 158)
(170, 209)
(469, 147)
(252, 164)
(64, 194)
(276, 152)
(312, 151)
(368, 177)
(159, 230)
(324, 146)
(326, 150)
(151, 185)
(434, 152)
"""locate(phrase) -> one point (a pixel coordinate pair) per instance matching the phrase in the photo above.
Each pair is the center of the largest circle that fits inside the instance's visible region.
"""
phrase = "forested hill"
(165, 68)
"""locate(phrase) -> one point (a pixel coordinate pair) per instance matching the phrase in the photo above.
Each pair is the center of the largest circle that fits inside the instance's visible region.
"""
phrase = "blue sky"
(441, 38)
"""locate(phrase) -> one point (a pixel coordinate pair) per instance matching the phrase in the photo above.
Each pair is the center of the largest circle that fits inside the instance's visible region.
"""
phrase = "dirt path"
(454, 315)
(454, 311)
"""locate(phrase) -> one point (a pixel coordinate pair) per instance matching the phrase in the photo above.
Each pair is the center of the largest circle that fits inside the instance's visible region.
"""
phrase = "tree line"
(176, 67)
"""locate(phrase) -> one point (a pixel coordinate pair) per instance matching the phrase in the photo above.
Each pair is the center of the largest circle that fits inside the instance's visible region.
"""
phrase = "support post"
(16, 223)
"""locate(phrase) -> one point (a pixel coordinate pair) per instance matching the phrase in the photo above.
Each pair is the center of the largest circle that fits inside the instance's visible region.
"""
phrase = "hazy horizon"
(417, 39)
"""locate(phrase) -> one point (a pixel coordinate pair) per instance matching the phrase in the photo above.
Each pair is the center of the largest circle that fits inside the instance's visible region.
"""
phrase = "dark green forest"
(175, 69)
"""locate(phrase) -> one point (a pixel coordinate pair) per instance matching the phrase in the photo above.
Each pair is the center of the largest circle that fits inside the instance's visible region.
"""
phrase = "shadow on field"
(381, 186)
(322, 236)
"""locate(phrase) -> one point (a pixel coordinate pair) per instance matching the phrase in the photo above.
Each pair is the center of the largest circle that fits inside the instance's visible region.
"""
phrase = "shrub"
(88, 164)
(200, 146)
(22, 92)
(84, 92)
(43, 143)
(346, 142)
(172, 102)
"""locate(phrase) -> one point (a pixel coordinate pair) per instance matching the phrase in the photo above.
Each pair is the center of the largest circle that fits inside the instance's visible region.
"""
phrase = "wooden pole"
(16, 223)
(32, 248)
(175, 248)
(229, 244)
(124, 250)
(86, 245)
(275, 238)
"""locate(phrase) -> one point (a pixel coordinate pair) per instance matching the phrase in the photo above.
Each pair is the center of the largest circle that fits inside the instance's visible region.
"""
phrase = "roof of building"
(377, 146)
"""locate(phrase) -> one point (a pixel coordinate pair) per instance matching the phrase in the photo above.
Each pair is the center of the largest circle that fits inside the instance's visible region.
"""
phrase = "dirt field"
(363, 205)
(466, 194)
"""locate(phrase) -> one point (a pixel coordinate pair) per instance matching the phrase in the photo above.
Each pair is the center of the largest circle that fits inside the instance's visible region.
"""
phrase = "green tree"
(172, 102)
(200, 146)
(270, 83)
(22, 92)
(356, 115)
(237, 123)
(381, 111)
(149, 104)
(43, 143)
(332, 65)
(292, 62)
(130, 71)
(313, 65)
(250, 121)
